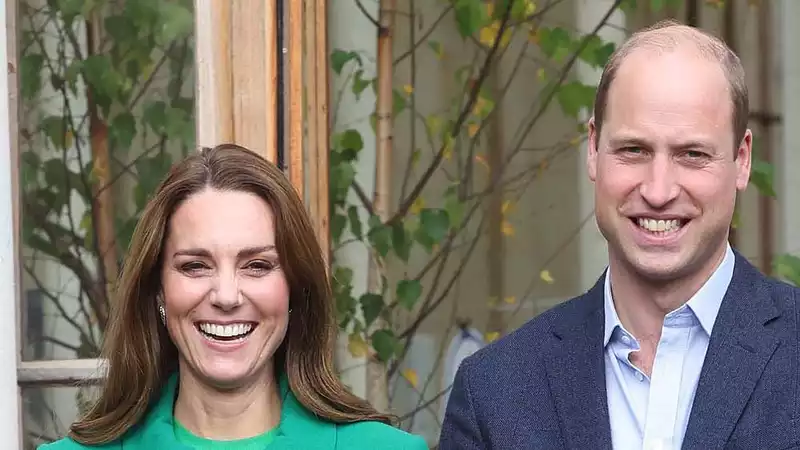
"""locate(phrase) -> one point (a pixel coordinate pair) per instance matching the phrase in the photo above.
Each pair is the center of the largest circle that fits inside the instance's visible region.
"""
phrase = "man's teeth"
(659, 225)
(229, 330)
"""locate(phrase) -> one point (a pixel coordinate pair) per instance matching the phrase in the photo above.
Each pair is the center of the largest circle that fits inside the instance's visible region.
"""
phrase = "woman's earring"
(163, 313)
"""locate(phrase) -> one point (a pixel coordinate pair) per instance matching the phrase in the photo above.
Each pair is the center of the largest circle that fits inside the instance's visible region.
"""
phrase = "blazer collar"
(739, 348)
(298, 428)
(738, 351)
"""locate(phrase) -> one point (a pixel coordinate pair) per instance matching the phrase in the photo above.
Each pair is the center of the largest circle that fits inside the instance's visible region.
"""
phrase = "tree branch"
(406, 204)
(367, 15)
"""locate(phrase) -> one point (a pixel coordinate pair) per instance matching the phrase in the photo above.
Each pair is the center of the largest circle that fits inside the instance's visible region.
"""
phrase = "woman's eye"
(193, 267)
(259, 267)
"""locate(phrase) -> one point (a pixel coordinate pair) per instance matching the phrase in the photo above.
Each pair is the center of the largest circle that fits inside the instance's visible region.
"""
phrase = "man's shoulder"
(531, 341)
(374, 434)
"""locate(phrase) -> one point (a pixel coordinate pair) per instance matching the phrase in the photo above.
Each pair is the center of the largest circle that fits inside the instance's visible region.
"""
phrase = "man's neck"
(226, 415)
(641, 304)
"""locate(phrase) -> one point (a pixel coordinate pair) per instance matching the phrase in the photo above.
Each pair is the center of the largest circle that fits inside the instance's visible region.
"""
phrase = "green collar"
(298, 428)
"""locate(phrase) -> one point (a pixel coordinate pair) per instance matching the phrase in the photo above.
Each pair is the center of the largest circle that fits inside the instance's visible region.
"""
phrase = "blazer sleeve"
(460, 430)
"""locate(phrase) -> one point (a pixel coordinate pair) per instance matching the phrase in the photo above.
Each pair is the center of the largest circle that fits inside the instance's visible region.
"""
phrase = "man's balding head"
(668, 36)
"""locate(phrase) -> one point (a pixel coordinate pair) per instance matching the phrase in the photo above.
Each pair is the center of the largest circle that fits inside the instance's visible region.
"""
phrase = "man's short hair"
(668, 35)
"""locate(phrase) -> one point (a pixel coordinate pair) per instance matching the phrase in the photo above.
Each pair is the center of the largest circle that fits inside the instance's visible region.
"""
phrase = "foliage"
(429, 222)
(104, 109)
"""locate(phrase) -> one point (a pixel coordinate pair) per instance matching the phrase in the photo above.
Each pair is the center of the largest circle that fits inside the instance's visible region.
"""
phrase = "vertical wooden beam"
(765, 67)
(312, 147)
(236, 59)
(11, 410)
(295, 81)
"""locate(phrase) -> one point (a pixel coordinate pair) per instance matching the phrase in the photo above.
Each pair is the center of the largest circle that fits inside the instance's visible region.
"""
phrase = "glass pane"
(107, 104)
(47, 412)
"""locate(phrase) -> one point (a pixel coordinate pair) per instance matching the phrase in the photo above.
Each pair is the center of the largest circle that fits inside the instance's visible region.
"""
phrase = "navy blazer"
(543, 386)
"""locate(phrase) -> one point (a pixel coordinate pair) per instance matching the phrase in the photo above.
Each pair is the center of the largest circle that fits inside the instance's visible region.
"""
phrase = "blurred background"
(439, 145)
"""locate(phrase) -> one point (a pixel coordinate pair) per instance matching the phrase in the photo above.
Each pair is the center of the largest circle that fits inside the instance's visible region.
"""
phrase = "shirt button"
(639, 376)
(626, 340)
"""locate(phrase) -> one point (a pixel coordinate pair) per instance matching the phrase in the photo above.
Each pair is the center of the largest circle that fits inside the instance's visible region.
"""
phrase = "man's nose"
(227, 294)
(660, 186)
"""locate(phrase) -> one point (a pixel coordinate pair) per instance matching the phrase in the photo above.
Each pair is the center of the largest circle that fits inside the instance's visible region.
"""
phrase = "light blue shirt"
(652, 413)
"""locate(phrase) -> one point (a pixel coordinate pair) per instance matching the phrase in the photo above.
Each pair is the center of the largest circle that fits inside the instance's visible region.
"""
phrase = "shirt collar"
(705, 303)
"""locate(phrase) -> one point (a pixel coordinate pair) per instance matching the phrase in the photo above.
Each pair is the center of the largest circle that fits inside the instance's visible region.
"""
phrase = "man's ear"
(744, 160)
(591, 155)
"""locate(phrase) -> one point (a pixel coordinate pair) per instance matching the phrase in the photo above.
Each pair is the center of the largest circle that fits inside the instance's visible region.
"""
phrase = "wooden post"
(307, 108)
(236, 59)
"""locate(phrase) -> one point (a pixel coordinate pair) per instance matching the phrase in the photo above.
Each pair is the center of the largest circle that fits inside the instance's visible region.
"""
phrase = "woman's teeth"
(226, 332)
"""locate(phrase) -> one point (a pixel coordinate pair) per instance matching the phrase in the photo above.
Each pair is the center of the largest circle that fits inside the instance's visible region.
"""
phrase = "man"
(681, 344)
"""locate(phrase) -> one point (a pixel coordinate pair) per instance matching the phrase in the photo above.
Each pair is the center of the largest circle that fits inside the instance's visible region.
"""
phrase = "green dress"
(298, 429)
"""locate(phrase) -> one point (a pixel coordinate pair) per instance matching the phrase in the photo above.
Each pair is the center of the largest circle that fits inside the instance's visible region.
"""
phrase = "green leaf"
(401, 241)
(355, 221)
(399, 103)
(359, 83)
(437, 48)
(470, 16)
(55, 128)
(762, 175)
(596, 52)
(408, 293)
(338, 223)
(372, 306)
(454, 207)
(555, 42)
(351, 139)
(340, 57)
(788, 267)
(175, 22)
(341, 178)
(574, 96)
(379, 236)
(122, 131)
(435, 223)
(70, 9)
(30, 75)
(155, 116)
(385, 344)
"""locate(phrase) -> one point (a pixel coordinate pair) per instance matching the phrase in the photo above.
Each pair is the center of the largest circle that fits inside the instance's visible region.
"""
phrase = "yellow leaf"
(508, 229)
(68, 138)
(433, 123)
(488, 35)
(472, 129)
(507, 205)
(546, 277)
(510, 300)
(408, 89)
(448, 147)
(417, 206)
(411, 376)
(492, 336)
(534, 36)
(479, 158)
(357, 346)
(530, 8)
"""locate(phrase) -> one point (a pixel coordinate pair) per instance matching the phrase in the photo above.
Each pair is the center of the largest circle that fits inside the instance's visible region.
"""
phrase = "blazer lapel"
(738, 351)
(576, 373)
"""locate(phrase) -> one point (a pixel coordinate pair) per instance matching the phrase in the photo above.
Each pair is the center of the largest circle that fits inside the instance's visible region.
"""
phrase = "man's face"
(666, 168)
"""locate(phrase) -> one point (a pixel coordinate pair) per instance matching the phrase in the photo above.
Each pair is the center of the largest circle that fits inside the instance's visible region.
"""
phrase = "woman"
(223, 329)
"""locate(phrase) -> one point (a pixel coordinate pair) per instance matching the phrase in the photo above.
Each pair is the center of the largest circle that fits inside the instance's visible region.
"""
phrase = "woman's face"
(225, 294)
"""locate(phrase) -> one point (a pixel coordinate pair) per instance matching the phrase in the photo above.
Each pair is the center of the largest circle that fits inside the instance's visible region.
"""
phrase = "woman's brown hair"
(137, 347)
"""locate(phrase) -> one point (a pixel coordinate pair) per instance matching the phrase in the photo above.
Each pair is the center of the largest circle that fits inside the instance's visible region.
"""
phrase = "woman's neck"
(211, 413)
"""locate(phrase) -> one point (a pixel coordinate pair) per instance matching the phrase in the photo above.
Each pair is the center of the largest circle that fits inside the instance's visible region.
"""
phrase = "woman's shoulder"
(373, 434)
(69, 444)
